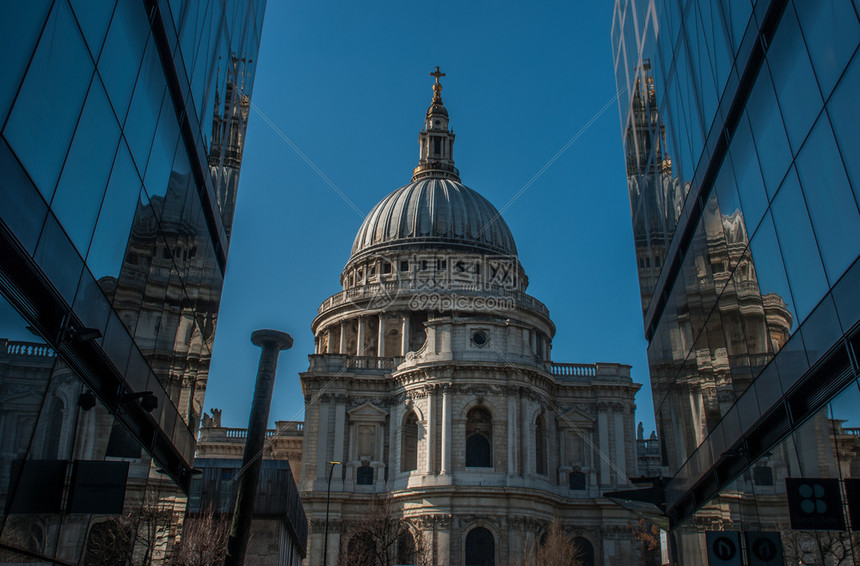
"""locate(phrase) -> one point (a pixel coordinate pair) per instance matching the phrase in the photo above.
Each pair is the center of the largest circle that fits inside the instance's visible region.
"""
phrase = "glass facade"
(741, 148)
(121, 134)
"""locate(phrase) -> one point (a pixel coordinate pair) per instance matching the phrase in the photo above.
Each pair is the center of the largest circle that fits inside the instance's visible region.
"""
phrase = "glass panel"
(123, 51)
(58, 259)
(163, 149)
(831, 203)
(832, 32)
(802, 262)
(847, 298)
(82, 184)
(748, 174)
(768, 133)
(42, 122)
(23, 208)
(115, 219)
(145, 107)
(94, 17)
(770, 273)
(842, 108)
(821, 330)
(796, 88)
(19, 31)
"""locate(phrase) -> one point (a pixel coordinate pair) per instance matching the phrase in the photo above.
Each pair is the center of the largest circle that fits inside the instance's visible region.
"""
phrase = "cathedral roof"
(435, 210)
(434, 213)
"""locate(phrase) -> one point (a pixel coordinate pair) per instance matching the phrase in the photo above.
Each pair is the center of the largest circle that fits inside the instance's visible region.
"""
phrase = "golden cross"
(437, 74)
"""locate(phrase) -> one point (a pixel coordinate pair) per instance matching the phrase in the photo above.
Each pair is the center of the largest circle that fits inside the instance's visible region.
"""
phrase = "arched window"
(406, 551)
(364, 475)
(577, 480)
(540, 445)
(479, 434)
(585, 551)
(480, 548)
(409, 443)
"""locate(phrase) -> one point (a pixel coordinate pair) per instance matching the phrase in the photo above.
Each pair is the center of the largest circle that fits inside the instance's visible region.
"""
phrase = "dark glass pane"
(796, 88)
(768, 132)
(23, 208)
(847, 298)
(577, 480)
(478, 451)
(20, 27)
(145, 107)
(792, 362)
(845, 118)
(802, 262)
(832, 208)
(123, 51)
(737, 15)
(821, 330)
(480, 548)
(91, 306)
(82, 183)
(748, 176)
(364, 475)
(58, 259)
(94, 17)
(115, 219)
(42, 122)
(832, 32)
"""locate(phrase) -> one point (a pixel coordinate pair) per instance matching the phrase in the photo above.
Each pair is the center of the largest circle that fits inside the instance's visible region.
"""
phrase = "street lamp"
(327, 497)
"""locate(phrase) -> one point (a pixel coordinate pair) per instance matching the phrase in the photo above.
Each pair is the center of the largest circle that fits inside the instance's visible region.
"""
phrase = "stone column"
(620, 457)
(603, 444)
(339, 436)
(359, 342)
(272, 342)
(342, 349)
(322, 449)
(446, 431)
(380, 341)
(512, 434)
(525, 440)
(404, 338)
(430, 466)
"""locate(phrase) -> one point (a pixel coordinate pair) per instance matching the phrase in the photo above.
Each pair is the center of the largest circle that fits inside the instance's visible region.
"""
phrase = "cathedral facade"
(432, 390)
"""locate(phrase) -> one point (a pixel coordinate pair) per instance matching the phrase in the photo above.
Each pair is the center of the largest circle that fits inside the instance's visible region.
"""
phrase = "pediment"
(575, 417)
(367, 412)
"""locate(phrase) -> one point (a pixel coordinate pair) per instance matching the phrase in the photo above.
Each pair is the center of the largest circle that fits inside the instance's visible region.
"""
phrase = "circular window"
(437, 122)
(480, 338)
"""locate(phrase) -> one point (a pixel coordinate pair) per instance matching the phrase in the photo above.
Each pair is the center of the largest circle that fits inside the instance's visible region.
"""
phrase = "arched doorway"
(480, 548)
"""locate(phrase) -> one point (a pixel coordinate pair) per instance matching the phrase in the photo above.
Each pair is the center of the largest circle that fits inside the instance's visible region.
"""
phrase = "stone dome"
(434, 213)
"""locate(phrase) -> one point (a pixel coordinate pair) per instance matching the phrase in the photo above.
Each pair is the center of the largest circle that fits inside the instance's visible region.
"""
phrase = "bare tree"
(383, 538)
(204, 540)
(109, 542)
(555, 549)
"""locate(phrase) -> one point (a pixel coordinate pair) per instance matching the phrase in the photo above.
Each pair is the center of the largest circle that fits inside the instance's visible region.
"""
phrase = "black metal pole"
(327, 498)
(272, 342)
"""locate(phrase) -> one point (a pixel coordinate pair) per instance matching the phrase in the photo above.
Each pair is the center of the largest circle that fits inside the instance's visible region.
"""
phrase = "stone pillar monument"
(272, 342)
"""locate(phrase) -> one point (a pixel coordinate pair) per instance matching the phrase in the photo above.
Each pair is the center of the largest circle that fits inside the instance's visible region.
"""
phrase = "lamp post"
(327, 498)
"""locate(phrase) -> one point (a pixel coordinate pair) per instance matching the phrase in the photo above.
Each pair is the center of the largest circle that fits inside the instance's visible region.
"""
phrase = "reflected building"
(433, 387)
(122, 132)
(740, 134)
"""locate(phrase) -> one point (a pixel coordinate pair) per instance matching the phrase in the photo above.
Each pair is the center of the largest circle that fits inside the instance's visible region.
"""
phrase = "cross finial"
(437, 74)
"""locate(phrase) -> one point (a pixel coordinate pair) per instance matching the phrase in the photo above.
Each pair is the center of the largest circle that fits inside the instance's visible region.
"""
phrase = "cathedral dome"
(434, 213)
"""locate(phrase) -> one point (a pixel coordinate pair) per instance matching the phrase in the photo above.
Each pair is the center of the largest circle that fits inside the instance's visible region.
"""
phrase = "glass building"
(742, 142)
(121, 134)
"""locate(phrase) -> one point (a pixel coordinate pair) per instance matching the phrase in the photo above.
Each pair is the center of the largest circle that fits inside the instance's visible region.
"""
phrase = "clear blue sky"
(348, 84)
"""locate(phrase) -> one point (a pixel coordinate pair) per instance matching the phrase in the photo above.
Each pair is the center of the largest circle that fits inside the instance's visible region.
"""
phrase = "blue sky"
(348, 84)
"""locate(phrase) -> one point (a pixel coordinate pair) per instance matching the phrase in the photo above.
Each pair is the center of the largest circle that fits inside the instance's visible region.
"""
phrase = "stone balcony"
(392, 290)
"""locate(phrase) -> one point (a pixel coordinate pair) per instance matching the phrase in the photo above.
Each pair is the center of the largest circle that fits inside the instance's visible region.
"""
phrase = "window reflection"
(802, 262)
